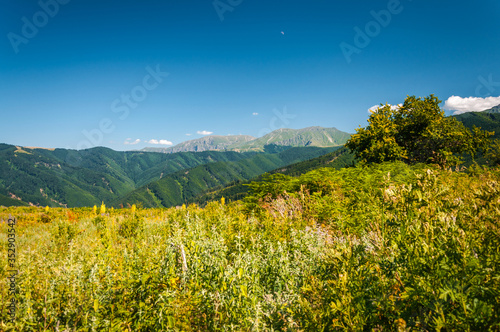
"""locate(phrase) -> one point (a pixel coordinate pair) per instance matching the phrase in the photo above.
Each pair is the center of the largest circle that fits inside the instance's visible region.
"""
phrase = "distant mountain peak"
(206, 143)
(310, 136)
(495, 109)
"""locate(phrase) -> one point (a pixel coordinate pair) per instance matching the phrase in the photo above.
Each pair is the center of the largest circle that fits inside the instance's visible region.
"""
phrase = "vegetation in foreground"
(385, 247)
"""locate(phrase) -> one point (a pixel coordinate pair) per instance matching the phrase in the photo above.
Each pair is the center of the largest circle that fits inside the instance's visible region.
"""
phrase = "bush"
(45, 218)
(131, 227)
(99, 222)
(63, 233)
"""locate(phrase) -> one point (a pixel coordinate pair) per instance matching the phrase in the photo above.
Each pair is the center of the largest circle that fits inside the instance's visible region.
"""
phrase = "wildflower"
(103, 208)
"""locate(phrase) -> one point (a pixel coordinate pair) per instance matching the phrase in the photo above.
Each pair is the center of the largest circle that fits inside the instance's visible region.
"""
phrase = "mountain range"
(193, 171)
(207, 143)
(70, 178)
(312, 136)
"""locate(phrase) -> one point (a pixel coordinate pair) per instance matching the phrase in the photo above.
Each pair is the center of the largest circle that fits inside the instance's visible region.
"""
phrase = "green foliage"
(63, 233)
(377, 142)
(131, 227)
(99, 220)
(238, 190)
(87, 177)
(416, 132)
(184, 186)
(484, 120)
(100, 223)
(493, 153)
(7, 201)
(45, 218)
(338, 159)
(387, 247)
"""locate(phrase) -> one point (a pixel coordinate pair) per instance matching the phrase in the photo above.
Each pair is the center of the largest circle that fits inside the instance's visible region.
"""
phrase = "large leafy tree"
(416, 131)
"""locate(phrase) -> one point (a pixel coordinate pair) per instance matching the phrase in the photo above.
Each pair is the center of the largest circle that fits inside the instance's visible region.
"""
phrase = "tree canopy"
(416, 132)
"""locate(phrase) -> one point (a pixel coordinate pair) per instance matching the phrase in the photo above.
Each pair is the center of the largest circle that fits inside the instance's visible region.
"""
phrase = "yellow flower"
(173, 282)
(223, 200)
(103, 208)
(133, 208)
(47, 209)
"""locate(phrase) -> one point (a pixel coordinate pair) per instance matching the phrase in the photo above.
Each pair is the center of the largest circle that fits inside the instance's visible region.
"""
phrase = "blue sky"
(80, 73)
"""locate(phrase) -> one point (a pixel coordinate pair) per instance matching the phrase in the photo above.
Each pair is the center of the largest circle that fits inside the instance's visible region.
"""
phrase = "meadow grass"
(386, 248)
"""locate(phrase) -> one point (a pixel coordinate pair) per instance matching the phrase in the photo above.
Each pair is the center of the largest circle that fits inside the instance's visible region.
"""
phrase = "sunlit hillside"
(386, 247)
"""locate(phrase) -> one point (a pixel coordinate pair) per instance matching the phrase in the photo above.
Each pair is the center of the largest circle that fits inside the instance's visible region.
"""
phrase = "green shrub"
(131, 227)
(63, 233)
(45, 218)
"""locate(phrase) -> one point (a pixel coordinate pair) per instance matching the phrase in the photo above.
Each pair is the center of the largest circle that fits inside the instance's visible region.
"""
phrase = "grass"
(387, 247)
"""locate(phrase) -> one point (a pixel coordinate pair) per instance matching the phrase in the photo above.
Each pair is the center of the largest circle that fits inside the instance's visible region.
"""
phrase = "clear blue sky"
(73, 72)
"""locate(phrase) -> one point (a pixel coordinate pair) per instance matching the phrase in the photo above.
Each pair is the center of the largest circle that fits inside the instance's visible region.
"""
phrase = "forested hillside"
(60, 177)
(183, 186)
(239, 189)
(486, 120)
(83, 178)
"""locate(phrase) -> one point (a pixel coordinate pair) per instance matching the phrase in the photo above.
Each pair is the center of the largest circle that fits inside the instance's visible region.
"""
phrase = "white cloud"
(471, 104)
(255, 113)
(128, 141)
(375, 108)
(188, 134)
(204, 132)
(160, 142)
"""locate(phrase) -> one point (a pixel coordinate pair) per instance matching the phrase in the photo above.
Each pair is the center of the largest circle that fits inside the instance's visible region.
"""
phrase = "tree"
(414, 132)
(493, 152)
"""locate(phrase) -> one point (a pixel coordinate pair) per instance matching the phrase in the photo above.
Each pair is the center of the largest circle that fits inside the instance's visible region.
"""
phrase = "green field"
(388, 247)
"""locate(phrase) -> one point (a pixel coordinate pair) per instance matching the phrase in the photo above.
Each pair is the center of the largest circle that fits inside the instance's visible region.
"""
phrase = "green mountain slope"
(238, 189)
(83, 178)
(7, 201)
(71, 178)
(183, 186)
(312, 136)
(486, 120)
(140, 167)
